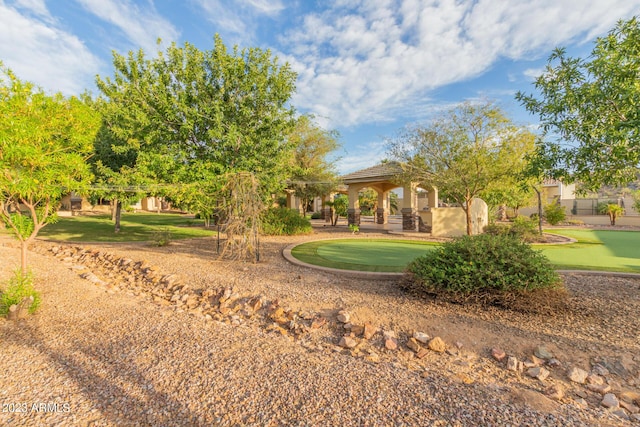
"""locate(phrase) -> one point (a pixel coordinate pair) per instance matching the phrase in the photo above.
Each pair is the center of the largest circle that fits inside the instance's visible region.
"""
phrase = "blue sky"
(365, 67)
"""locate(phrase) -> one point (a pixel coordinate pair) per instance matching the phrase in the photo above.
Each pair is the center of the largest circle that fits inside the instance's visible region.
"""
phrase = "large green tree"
(198, 115)
(313, 172)
(45, 141)
(463, 152)
(589, 110)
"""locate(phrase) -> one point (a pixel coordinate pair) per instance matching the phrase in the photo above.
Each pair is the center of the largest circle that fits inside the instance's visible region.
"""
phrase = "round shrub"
(487, 268)
(284, 222)
(554, 213)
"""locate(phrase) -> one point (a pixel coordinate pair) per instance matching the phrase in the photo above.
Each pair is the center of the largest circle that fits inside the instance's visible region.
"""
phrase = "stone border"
(286, 253)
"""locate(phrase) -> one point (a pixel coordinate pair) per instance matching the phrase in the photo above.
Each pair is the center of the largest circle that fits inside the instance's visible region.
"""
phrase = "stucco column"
(353, 213)
(409, 208)
(382, 213)
(432, 197)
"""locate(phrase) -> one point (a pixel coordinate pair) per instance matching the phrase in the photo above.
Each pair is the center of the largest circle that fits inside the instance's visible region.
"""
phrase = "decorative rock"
(369, 331)
(422, 353)
(599, 370)
(347, 342)
(498, 354)
(422, 337)
(413, 345)
(391, 343)
(599, 388)
(554, 363)
(620, 413)
(630, 396)
(577, 375)
(537, 361)
(357, 329)
(581, 402)
(512, 364)
(633, 409)
(610, 401)
(555, 391)
(437, 344)
(389, 334)
(542, 352)
(595, 379)
(344, 316)
(538, 372)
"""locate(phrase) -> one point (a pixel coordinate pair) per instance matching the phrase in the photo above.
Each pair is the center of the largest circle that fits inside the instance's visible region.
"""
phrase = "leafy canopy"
(198, 115)
(45, 141)
(592, 108)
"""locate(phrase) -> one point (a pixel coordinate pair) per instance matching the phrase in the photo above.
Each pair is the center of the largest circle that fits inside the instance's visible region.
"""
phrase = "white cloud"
(142, 27)
(37, 7)
(362, 61)
(363, 156)
(239, 17)
(533, 73)
(39, 51)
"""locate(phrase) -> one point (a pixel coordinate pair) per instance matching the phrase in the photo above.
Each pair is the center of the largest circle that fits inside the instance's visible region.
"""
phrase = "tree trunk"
(467, 211)
(23, 255)
(118, 212)
(539, 209)
(114, 203)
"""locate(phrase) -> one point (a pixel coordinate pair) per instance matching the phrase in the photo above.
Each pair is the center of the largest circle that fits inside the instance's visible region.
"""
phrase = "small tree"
(339, 207)
(45, 141)
(463, 153)
(613, 210)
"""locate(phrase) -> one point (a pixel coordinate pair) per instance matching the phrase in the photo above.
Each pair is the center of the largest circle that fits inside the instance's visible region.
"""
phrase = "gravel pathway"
(103, 356)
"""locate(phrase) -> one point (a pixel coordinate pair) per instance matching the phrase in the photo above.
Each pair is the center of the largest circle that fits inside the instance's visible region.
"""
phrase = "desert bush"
(283, 221)
(316, 215)
(554, 213)
(19, 287)
(161, 237)
(522, 228)
(492, 269)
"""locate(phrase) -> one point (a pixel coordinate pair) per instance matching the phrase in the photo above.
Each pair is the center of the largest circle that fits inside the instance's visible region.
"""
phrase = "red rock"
(498, 354)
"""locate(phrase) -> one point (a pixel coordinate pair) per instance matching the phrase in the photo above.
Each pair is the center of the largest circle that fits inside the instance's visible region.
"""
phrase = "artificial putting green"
(603, 250)
(606, 250)
(379, 255)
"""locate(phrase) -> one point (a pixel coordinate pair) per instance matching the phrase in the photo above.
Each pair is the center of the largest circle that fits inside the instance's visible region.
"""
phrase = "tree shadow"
(96, 371)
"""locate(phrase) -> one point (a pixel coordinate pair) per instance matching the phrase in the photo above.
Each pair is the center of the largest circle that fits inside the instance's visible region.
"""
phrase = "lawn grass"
(134, 227)
(605, 250)
(378, 255)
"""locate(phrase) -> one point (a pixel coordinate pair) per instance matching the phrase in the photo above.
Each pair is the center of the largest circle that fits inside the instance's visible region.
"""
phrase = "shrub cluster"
(554, 214)
(283, 221)
(20, 286)
(523, 228)
(487, 268)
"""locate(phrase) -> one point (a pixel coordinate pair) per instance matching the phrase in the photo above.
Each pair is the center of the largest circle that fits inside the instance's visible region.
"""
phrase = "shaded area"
(135, 227)
(608, 250)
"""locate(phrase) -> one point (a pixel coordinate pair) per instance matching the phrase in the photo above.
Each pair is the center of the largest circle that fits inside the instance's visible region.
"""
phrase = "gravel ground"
(98, 355)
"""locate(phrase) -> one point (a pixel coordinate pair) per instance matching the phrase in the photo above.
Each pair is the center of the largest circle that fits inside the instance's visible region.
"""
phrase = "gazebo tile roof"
(381, 171)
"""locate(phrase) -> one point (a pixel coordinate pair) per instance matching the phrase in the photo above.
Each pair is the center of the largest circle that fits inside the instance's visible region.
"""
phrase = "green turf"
(135, 227)
(606, 250)
(595, 250)
(379, 255)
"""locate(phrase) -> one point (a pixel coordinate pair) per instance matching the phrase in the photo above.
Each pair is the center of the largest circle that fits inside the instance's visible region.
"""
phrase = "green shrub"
(497, 229)
(316, 215)
(493, 269)
(574, 222)
(20, 286)
(161, 237)
(554, 213)
(284, 222)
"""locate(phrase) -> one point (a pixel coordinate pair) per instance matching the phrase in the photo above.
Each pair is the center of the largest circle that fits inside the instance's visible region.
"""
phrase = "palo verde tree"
(199, 115)
(589, 110)
(45, 141)
(313, 172)
(462, 152)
